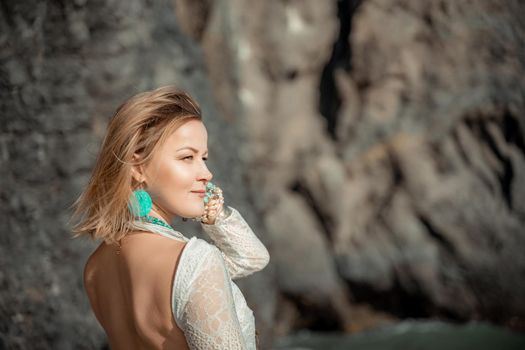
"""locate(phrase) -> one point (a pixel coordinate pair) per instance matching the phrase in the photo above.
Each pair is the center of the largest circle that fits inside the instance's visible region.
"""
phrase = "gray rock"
(376, 147)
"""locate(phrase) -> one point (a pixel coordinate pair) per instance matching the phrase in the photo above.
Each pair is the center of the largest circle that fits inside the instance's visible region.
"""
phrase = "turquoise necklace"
(154, 220)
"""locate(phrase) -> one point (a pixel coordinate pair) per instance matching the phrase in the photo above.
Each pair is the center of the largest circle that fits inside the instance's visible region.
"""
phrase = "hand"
(214, 204)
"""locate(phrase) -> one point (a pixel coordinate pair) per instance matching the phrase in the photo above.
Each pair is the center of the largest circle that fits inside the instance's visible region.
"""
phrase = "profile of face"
(178, 169)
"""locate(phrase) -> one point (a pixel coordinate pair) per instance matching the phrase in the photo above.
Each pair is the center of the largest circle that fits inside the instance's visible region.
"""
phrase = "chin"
(199, 211)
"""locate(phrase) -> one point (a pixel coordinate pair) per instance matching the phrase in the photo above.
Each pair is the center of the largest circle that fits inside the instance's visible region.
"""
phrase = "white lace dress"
(206, 304)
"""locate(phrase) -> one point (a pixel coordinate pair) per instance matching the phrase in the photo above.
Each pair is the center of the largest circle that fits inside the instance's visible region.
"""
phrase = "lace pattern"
(242, 251)
(206, 304)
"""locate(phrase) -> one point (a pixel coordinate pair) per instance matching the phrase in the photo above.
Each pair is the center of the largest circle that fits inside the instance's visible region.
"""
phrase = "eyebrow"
(189, 147)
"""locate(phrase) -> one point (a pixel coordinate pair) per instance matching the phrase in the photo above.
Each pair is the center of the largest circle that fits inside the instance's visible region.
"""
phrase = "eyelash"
(205, 158)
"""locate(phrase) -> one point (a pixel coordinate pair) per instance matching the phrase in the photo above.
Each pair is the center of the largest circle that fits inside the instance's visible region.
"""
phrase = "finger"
(210, 208)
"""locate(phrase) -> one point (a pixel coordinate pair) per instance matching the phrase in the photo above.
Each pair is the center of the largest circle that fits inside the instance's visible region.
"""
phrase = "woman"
(149, 286)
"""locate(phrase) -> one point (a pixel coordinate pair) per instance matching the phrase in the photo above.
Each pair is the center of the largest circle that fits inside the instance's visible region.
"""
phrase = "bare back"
(130, 292)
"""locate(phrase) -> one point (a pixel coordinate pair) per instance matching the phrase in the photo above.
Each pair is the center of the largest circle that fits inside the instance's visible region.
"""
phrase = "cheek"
(172, 188)
(176, 177)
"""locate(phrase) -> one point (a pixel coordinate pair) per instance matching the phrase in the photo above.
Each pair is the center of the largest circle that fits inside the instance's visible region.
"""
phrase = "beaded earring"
(140, 203)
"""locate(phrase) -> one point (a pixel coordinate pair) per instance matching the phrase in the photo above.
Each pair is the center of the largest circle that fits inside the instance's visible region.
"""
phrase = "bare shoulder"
(150, 250)
(141, 254)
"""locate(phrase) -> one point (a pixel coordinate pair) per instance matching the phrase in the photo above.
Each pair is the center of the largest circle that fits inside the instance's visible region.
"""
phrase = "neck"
(161, 214)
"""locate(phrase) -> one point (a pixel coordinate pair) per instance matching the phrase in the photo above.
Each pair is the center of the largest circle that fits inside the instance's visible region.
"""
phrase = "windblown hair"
(140, 125)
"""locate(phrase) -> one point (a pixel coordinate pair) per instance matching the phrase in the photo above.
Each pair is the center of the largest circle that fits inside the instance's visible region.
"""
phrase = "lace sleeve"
(242, 251)
(209, 320)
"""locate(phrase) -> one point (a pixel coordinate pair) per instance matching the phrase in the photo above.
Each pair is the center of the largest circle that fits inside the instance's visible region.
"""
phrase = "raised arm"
(207, 316)
(242, 251)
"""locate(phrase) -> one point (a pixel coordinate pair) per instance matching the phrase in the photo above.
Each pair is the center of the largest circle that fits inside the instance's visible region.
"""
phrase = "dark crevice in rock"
(397, 172)
(398, 301)
(401, 299)
(388, 233)
(314, 315)
(506, 182)
(455, 137)
(440, 160)
(512, 131)
(397, 180)
(427, 18)
(505, 178)
(292, 74)
(327, 223)
(6, 17)
(329, 99)
(436, 235)
(490, 299)
(461, 151)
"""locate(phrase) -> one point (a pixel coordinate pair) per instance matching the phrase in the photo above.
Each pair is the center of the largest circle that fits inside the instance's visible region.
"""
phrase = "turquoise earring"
(140, 203)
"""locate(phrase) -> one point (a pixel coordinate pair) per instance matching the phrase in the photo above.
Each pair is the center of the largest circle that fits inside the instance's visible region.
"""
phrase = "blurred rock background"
(376, 147)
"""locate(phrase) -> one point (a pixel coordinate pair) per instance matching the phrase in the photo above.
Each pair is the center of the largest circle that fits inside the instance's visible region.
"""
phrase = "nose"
(205, 173)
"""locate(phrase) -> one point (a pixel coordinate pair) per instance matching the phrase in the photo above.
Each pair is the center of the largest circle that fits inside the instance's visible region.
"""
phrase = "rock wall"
(384, 140)
(65, 67)
(430, 134)
(376, 147)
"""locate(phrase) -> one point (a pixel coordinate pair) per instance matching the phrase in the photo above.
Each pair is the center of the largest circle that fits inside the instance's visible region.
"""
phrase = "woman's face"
(177, 170)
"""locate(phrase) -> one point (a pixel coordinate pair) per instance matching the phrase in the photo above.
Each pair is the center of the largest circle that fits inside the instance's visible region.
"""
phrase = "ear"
(137, 170)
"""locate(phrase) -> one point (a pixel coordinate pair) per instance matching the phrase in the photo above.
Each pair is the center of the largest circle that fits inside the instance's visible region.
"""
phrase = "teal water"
(410, 335)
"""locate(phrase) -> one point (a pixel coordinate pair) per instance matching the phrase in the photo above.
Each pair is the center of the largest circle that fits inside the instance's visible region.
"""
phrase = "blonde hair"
(139, 125)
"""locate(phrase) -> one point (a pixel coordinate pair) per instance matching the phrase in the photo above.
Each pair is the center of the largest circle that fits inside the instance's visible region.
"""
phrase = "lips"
(200, 193)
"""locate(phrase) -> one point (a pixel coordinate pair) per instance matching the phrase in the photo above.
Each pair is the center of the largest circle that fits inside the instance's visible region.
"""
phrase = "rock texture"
(65, 67)
(432, 144)
(377, 148)
(384, 139)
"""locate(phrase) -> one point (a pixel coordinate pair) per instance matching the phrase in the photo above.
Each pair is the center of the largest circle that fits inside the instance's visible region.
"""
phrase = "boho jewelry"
(140, 203)
(213, 192)
(156, 221)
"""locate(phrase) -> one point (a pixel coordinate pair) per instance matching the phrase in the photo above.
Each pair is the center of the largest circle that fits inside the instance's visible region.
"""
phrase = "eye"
(191, 157)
